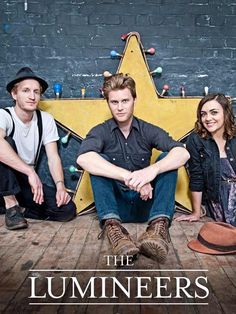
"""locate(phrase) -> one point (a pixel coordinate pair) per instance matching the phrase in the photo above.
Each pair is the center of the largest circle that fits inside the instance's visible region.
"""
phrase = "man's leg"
(9, 187)
(65, 212)
(105, 199)
(48, 210)
(154, 242)
(107, 204)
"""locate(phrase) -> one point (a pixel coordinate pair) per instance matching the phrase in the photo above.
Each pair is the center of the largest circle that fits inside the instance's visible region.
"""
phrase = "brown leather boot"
(119, 238)
(154, 241)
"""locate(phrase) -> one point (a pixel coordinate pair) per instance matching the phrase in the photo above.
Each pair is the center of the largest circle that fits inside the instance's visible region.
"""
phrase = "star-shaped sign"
(174, 114)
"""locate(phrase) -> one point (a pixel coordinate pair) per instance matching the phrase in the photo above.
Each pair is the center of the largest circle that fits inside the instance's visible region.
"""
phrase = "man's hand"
(146, 192)
(137, 179)
(62, 197)
(36, 187)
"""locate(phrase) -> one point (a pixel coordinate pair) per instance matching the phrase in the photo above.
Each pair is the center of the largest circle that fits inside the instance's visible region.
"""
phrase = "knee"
(68, 212)
(171, 174)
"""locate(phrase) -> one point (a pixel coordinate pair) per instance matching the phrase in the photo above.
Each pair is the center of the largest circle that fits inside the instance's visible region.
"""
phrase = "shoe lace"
(116, 231)
(161, 227)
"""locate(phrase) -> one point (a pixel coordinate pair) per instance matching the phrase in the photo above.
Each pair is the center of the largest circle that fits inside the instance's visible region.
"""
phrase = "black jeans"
(15, 183)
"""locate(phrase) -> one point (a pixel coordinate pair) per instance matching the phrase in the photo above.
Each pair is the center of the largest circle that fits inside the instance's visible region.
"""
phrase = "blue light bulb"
(57, 87)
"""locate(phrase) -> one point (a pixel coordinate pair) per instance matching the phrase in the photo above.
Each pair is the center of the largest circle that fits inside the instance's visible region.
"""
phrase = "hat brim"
(43, 83)
(195, 245)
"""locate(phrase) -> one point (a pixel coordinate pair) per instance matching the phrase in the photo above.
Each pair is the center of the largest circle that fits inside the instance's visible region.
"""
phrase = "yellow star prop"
(175, 115)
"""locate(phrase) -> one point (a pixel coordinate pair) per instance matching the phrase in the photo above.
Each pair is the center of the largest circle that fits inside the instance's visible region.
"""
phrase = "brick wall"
(70, 41)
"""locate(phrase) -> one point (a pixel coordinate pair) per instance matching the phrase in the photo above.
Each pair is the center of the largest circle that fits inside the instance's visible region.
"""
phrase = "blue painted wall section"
(70, 42)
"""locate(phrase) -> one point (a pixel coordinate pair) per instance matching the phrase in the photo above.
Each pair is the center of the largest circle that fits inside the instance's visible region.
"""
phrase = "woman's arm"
(196, 198)
(196, 177)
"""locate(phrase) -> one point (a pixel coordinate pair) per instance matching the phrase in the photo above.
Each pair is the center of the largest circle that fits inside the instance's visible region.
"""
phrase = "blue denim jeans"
(112, 200)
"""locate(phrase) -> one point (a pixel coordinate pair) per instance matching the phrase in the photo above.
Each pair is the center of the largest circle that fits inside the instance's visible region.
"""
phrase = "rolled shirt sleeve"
(94, 141)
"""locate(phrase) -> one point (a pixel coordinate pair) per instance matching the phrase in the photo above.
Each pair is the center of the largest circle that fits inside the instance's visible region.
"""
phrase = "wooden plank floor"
(64, 249)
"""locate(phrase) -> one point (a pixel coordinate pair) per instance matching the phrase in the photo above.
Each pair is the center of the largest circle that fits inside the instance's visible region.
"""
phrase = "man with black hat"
(23, 129)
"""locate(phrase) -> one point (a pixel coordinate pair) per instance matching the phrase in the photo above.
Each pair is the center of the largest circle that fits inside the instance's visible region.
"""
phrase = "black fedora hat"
(23, 74)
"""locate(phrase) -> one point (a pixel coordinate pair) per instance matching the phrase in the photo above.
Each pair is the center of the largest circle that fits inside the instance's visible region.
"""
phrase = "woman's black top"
(204, 164)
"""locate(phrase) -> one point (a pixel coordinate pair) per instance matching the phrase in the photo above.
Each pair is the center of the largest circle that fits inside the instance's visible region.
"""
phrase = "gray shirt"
(133, 153)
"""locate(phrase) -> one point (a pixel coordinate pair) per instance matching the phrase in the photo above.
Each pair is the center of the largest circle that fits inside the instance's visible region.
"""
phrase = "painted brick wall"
(70, 40)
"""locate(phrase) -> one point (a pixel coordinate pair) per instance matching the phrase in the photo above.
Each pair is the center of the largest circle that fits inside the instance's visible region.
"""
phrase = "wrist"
(29, 171)
(60, 183)
(125, 173)
(196, 212)
(155, 167)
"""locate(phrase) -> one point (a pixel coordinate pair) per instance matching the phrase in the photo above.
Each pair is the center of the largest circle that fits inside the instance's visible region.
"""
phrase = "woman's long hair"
(229, 122)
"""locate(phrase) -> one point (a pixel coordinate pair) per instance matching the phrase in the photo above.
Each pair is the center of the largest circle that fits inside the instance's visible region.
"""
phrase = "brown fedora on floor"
(215, 238)
(23, 74)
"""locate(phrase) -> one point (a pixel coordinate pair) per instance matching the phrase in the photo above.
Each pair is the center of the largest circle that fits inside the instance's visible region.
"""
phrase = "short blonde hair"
(117, 82)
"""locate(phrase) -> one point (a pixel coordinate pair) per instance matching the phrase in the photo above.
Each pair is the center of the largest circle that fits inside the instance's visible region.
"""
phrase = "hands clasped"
(139, 181)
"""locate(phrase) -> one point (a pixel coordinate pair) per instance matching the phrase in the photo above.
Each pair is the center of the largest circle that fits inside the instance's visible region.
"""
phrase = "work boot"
(14, 218)
(154, 241)
(119, 238)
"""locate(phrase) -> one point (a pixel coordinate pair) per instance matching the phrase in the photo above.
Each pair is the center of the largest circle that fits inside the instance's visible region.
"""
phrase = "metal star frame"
(174, 114)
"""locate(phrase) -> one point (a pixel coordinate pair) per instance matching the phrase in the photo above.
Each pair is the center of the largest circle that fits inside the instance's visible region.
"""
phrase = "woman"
(212, 165)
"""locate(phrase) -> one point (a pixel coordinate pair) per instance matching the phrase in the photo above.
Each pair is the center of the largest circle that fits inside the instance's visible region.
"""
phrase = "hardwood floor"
(72, 250)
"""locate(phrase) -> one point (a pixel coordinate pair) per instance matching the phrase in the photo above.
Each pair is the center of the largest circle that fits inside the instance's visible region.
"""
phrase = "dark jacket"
(204, 164)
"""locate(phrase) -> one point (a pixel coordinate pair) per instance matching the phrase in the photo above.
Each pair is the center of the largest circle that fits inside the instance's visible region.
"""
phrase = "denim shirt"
(204, 164)
(131, 153)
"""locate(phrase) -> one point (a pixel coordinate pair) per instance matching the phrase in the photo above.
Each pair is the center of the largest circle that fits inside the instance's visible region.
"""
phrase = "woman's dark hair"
(229, 122)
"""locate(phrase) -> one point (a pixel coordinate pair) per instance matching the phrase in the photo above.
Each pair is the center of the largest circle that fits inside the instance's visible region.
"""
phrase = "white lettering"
(117, 283)
(81, 292)
(201, 287)
(160, 287)
(141, 286)
(179, 288)
(50, 279)
(33, 295)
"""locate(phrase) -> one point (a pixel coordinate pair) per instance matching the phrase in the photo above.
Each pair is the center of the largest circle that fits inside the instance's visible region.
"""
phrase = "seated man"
(126, 187)
(23, 129)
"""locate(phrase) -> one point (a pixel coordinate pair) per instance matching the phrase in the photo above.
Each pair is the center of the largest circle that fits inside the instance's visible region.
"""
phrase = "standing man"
(23, 129)
(126, 187)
